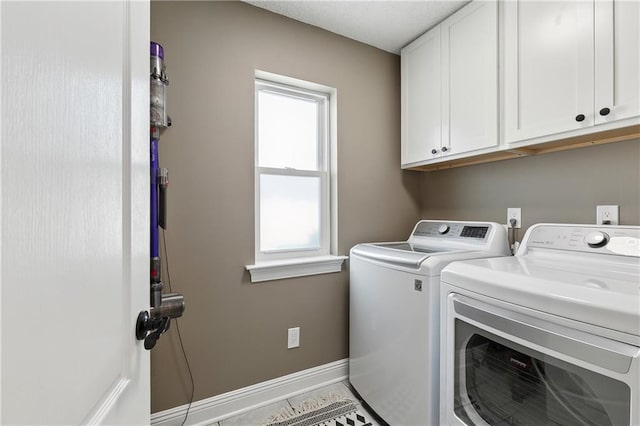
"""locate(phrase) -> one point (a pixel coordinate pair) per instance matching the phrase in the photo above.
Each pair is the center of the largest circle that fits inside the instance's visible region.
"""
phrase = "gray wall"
(235, 332)
(557, 187)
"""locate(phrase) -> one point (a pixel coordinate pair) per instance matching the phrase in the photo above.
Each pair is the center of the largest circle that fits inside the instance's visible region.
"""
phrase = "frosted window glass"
(289, 212)
(287, 132)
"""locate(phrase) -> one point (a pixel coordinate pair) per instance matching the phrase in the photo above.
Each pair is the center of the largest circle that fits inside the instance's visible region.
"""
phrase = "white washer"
(394, 314)
(550, 336)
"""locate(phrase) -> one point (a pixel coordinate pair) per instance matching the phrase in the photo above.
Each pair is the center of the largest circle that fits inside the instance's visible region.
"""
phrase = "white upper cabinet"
(470, 79)
(421, 98)
(450, 87)
(548, 68)
(617, 60)
(568, 65)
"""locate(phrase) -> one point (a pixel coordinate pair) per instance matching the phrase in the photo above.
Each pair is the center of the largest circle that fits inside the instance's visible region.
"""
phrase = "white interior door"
(74, 211)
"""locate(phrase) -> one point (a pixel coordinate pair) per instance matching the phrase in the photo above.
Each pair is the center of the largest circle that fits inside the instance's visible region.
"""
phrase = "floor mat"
(339, 413)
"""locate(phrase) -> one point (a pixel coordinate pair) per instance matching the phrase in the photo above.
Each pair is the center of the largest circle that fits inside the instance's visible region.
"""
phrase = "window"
(293, 182)
(291, 165)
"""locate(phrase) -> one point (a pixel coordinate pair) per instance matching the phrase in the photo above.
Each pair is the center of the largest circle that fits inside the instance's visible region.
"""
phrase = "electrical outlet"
(293, 340)
(514, 213)
(607, 215)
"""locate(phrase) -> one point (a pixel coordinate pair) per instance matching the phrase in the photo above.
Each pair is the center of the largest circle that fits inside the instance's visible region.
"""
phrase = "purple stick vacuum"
(151, 324)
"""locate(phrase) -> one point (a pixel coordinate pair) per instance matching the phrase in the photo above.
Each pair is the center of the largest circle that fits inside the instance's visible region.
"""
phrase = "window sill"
(299, 267)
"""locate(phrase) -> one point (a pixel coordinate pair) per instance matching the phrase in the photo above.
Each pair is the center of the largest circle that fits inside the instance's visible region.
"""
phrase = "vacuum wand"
(153, 323)
(156, 266)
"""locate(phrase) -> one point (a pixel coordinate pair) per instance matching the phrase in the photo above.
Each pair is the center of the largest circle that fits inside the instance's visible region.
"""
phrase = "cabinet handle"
(605, 111)
(434, 151)
(445, 149)
(580, 117)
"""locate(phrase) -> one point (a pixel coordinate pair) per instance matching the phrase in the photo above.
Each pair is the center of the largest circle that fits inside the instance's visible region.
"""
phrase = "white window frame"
(270, 265)
(322, 101)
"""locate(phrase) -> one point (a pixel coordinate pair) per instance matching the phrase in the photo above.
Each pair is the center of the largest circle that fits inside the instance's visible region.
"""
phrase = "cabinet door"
(421, 94)
(617, 58)
(548, 68)
(470, 79)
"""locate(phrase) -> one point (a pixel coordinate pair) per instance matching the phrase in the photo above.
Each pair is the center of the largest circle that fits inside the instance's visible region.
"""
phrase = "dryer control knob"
(443, 229)
(596, 239)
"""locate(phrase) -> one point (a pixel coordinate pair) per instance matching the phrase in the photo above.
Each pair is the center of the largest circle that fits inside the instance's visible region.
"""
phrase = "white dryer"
(550, 336)
(395, 316)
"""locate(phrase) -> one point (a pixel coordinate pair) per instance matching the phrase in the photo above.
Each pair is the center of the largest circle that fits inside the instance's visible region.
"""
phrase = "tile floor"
(261, 415)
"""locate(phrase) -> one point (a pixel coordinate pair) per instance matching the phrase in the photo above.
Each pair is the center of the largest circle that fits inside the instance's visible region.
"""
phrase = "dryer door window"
(499, 382)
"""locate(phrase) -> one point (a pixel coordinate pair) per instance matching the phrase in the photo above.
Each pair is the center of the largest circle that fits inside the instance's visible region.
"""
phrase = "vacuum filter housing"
(158, 88)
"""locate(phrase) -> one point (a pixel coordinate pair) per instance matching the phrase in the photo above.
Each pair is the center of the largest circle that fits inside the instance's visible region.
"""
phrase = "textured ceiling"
(388, 25)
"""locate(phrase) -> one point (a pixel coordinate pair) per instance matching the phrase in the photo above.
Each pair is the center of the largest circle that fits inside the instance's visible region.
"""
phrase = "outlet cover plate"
(607, 214)
(514, 213)
(293, 338)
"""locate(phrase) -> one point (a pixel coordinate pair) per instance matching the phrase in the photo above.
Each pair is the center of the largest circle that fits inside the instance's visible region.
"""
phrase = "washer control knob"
(596, 239)
(443, 229)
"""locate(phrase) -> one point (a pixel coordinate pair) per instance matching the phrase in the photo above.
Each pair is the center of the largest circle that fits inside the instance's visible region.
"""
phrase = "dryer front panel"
(506, 368)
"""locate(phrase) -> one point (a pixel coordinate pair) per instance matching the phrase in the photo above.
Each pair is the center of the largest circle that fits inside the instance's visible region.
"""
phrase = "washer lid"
(399, 253)
(410, 247)
(590, 288)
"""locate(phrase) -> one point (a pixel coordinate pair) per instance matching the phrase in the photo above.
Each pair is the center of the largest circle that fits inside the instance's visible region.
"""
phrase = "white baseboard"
(220, 407)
